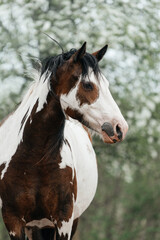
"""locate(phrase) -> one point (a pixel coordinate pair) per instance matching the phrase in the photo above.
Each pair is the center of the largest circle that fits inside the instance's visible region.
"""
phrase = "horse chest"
(80, 156)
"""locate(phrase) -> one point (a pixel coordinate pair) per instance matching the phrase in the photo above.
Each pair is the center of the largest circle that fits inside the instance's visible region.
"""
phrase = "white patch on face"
(12, 234)
(104, 109)
(0, 203)
(70, 100)
(11, 133)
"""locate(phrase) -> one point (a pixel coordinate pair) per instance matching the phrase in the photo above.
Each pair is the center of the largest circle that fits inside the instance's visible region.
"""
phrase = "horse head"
(85, 96)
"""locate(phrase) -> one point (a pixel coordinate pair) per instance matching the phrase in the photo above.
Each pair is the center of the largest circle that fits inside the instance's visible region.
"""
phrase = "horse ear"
(80, 53)
(99, 54)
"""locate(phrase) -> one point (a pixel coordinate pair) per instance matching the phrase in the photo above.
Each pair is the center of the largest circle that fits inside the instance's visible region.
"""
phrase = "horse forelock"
(52, 63)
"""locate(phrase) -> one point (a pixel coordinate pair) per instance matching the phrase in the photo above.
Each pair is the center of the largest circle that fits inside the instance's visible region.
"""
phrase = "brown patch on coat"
(74, 114)
(75, 185)
(78, 116)
(66, 77)
(87, 97)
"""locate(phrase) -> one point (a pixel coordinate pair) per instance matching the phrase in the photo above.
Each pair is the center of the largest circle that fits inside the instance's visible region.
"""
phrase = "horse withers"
(48, 169)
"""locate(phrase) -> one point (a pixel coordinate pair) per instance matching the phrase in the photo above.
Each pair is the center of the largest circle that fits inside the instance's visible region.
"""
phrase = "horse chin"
(106, 138)
(103, 135)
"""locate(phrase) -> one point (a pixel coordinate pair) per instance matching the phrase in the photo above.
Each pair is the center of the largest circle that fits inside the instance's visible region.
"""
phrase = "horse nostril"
(119, 133)
(107, 127)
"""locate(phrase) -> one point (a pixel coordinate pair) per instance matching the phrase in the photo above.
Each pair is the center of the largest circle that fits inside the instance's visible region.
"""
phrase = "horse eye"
(87, 86)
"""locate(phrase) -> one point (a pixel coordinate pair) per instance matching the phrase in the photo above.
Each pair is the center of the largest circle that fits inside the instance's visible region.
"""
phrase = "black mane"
(52, 63)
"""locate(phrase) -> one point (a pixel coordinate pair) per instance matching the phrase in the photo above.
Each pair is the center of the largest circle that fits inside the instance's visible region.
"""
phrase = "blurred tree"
(127, 201)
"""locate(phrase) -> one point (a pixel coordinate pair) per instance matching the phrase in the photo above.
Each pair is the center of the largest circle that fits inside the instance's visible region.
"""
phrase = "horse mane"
(51, 64)
(48, 70)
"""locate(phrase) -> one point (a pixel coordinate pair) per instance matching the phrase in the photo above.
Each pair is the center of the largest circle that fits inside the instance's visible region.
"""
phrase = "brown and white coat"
(48, 171)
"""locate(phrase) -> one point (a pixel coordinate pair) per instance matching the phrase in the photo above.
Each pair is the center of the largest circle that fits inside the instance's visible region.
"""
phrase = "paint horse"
(48, 169)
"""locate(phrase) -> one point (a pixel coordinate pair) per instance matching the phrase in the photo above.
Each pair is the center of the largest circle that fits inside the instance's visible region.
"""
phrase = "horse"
(48, 168)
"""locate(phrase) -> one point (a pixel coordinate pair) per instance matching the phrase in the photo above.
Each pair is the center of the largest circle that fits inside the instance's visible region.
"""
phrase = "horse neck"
(49, 123)
(45, 126)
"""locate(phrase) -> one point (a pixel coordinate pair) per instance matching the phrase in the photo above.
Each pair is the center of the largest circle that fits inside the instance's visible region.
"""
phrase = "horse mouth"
(108, 139)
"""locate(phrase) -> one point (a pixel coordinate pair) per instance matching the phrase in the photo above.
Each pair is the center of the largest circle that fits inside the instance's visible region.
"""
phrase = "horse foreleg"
(64, 232)
(28, 232)
(74, 228)
(14, 225)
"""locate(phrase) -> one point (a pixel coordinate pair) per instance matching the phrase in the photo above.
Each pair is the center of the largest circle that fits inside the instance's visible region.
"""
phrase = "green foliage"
(3, 232)
(126, 206)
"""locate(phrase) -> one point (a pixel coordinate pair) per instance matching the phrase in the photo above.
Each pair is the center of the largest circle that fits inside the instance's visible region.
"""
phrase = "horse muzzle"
(114, 133)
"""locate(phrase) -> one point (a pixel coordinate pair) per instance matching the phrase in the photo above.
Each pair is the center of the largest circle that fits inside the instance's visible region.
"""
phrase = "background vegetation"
(127, 203)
